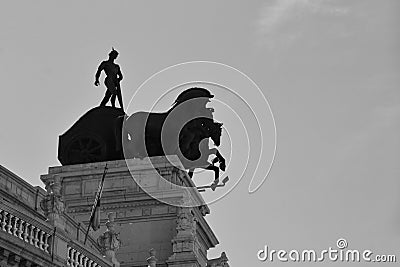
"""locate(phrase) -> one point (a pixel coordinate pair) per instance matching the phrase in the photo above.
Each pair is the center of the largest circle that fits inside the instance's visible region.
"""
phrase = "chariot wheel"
(85, 149)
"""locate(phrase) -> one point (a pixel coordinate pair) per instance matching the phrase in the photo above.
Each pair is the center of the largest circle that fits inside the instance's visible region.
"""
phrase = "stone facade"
(32, 237)
(148, 221)
(150, 211)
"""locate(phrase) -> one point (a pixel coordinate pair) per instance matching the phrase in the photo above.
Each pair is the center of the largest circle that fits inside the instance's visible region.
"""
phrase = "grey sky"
(330, 70)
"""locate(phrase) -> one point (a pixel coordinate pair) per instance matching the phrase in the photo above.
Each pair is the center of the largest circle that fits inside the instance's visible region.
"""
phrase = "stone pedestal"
(152, 212)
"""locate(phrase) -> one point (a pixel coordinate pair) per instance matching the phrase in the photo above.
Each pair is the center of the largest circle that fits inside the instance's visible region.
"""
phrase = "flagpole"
(96, 202)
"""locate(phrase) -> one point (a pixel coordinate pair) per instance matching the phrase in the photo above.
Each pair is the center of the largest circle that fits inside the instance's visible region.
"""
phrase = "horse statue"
(196, 151)
(182, 130)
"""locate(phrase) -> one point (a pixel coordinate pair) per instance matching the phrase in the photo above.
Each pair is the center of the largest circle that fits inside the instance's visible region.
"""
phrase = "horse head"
(215, 132)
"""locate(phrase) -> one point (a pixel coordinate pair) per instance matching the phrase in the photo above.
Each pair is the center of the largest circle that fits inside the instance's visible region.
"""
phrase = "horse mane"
(191, 93)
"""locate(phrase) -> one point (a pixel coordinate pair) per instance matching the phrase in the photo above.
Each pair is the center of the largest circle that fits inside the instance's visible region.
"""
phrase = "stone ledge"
(147, 172)
(135, 165)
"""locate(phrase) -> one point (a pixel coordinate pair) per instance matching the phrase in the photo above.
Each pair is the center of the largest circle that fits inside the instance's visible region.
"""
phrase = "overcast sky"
(328, 68)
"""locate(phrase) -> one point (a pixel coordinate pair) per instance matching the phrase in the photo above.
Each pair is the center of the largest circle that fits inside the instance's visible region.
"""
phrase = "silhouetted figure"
(112, 81)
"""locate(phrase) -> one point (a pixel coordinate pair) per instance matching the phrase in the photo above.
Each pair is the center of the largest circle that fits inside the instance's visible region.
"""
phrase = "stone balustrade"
(78, 258)
(32, 234)
(40, 236)
(30, 230)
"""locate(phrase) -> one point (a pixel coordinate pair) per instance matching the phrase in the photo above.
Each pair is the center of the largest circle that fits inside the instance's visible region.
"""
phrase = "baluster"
(9, 225)
(68, 256)
(26, 234)
(15, 228)
(21, 229)
(46, 242)
(85, 260)
(81, 260)
(36, 237)
(76, 258)
(41, 236)
(3, 222)
(76, 254)
(72, 258)
(74, 251)
(90, 263)
(31, 235)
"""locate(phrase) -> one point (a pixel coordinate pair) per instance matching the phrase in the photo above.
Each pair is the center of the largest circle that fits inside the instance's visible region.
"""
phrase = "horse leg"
(222, 164)
(216, 175)
(215, 160)
(219, 158)
(191, 171)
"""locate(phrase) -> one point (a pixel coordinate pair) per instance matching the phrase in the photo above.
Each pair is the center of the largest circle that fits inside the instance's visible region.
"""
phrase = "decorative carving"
(146, 211)
(204, 210)
(152, 260)
(222, 261)
(13, 259)
(114, 206)
(185, 240)
(52, 204)
(109, 241)
(186, 220)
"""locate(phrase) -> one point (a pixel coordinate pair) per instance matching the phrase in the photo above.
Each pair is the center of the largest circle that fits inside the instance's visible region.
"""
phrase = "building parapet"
(23, 192)
(19, 225)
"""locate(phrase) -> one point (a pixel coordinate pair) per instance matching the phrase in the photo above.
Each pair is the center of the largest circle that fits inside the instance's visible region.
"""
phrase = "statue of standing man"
(112, 80)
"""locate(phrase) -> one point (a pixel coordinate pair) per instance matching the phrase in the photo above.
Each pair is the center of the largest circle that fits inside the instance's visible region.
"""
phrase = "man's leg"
(113, 100)
(119, 95)
(106, 98)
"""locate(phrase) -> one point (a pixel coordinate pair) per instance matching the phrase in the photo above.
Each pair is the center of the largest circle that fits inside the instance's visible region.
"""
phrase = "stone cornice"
(117, 166)
(111, 206)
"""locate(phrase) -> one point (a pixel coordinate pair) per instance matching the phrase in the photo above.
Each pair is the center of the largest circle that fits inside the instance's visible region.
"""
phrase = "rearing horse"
(197, 151)
(148, 134)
